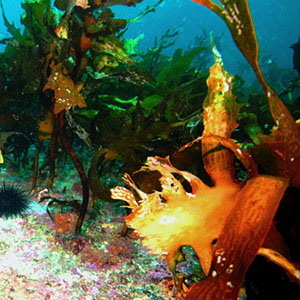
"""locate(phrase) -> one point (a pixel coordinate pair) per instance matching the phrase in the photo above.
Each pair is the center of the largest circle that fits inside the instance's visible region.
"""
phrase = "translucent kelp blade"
(243, 234)
(66, 93)
(219, 118)
(237, 17)
(161, 164)
(211, 5)
(245, 158)
(277, 258)
(172, 217)
(289, 130)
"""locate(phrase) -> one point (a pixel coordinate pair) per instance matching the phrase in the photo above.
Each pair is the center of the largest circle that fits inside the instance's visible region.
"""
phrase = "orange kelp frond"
(46, 126)
(220, 112)
(66, 93)
(171, 218)
(124, 194)
(245, 158)
(238, 19)
(82, 3)
(210, 5)
(277, 258)
(287, 126)
(85, 42)
(62, 30)
(243, 234)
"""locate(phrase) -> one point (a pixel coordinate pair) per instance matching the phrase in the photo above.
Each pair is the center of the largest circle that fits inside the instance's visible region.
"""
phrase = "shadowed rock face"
(296, 56)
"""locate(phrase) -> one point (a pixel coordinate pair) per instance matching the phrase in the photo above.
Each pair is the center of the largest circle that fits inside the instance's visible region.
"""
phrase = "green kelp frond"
(180, 65)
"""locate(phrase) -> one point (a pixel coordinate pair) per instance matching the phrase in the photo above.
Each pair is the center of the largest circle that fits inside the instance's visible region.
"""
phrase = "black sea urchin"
(13, 201)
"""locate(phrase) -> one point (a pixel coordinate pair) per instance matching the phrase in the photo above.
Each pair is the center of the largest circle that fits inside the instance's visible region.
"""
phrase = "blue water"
(277, 26)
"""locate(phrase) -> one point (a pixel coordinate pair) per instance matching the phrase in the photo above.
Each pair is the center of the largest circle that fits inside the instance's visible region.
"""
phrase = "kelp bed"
(216, 170)
(35, 262)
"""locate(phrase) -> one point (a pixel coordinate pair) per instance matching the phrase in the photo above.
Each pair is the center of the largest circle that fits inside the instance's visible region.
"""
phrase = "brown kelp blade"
(238, 19)
(244, 157)
(289, 130)
(243, 234)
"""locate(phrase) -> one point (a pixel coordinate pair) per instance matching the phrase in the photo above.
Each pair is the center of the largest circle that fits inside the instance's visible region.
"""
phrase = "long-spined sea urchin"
(13, 200)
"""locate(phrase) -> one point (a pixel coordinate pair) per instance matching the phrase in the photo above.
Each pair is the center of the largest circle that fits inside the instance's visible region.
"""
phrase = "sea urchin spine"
(13, 201)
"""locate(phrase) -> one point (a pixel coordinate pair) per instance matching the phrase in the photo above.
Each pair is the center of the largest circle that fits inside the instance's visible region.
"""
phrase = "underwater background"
(276, 23)
(140, 140)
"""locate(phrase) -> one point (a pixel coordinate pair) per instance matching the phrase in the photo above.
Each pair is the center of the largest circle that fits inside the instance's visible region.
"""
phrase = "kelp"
(66, 94)
(67, 60)
(45, 70)
(179, 66)
(230, 212)
(286, 141)
(240, 238)
(187, 218)
(62, 59)
(144, 130)
(237, 16)
(153, 60)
